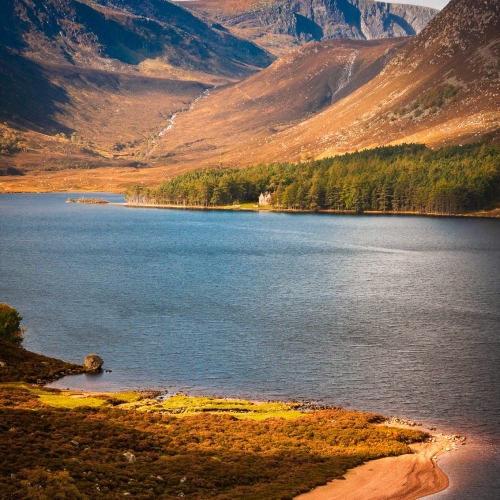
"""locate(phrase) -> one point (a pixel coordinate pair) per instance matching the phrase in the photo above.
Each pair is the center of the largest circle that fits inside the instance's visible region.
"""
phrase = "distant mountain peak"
(277, 24)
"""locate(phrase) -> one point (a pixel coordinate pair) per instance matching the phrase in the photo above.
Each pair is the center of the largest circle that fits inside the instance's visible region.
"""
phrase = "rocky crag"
(276, 25)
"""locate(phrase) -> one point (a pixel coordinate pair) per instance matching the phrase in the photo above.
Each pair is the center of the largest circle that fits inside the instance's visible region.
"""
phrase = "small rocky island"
(92, 201)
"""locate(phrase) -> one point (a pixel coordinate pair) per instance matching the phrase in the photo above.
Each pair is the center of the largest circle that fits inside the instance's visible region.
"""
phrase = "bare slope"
(241, 118)
(460, 48)
(122, 34)
(442, 87)
(108, 75)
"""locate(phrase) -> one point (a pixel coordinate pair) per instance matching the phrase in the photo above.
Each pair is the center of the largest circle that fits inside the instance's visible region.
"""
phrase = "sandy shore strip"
(406, 477)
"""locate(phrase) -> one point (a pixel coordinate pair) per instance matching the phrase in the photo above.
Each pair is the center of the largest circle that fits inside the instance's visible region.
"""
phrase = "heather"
(85, 452)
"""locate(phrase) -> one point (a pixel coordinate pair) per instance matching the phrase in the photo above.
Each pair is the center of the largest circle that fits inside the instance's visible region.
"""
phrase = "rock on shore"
(93, 362)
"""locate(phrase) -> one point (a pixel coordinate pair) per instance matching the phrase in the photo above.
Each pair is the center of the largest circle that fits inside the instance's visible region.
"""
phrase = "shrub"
(10, 325)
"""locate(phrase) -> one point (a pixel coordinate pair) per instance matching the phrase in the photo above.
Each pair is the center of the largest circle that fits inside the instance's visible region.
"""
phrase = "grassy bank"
(67, 444)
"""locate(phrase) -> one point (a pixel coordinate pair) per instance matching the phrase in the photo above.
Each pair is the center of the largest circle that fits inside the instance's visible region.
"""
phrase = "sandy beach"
(406, 477)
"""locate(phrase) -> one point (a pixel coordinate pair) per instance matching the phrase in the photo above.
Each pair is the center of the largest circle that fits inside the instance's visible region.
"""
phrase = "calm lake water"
(398, 315)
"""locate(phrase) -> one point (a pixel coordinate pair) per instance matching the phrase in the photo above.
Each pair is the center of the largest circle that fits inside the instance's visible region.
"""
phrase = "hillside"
(409, 100)
(246, 115)
(125, 36)
(325, 98)
(84, 84)
(440, 88)
(279, 25)
(20, 365)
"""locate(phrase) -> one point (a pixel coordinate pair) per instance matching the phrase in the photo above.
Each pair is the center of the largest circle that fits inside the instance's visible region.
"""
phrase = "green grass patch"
(69, 400)
(249, 205)
(73, 399)
(181, 405)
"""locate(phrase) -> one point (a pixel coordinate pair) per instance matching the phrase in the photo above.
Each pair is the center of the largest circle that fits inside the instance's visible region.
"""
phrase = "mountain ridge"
(281, 24)
(322, 99)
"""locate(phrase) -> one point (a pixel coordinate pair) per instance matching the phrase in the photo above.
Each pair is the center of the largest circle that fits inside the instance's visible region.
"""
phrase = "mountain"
(245, 116)
(278, 25)
(125, 35)
(440, 87)
(324, 98)
(86, 83)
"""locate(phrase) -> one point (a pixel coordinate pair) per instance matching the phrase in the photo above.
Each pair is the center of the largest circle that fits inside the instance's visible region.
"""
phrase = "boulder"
(130, 457)
(93, 362)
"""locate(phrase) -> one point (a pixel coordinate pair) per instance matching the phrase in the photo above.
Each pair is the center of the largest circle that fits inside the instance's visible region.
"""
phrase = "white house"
(265, 198)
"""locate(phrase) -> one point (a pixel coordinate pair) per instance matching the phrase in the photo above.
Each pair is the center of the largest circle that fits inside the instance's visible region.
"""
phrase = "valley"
(112, 98)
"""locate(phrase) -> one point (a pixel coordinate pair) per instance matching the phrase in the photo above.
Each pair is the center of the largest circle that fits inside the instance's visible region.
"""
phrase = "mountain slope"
(460, 48)
(122, 34)
(278, 25)
(441, 87)
(246, 115)
(107, 75)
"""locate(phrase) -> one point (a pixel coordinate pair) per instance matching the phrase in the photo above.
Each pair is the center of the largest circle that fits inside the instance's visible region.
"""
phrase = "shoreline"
(482, 214)
(405, 477)
(493, 214)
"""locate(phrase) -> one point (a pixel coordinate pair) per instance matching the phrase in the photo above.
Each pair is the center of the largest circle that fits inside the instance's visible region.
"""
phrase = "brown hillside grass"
(243, 124)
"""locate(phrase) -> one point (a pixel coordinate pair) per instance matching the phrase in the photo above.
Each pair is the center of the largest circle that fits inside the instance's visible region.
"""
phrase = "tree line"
(404, 178)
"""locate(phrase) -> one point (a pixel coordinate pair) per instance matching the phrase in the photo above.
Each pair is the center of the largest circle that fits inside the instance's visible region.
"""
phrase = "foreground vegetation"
(19, 365)
(406, 178)
(68, 445)
(10, 325)
(105, 451)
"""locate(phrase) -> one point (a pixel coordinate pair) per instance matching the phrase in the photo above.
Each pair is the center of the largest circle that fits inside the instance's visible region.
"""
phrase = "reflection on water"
(397, 315)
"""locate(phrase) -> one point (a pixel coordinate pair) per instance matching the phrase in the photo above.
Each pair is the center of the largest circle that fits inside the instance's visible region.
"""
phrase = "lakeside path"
(407, 477)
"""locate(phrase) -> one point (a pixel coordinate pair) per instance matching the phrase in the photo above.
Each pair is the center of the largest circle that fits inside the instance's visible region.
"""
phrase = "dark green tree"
(10, 321)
